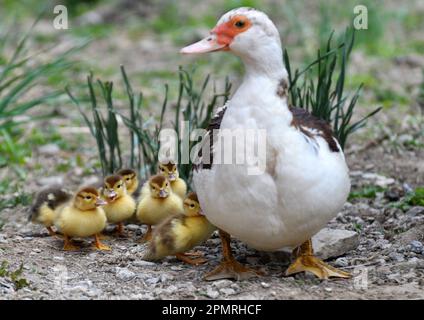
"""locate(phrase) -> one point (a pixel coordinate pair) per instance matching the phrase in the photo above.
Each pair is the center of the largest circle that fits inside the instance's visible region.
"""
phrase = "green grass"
(369, 192)
(320, 87)
(191, 104)
(413, 198)
(15, 276)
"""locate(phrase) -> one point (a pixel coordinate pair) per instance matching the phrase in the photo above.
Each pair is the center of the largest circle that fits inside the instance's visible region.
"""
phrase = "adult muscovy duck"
(306, 180)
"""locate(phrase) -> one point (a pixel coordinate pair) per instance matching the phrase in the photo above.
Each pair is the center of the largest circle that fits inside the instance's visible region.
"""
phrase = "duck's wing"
(205, 160)
(312, 127)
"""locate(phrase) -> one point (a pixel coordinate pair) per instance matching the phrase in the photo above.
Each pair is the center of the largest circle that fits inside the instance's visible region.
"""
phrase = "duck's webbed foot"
(306, 262)
(230, 268)
(187, 259)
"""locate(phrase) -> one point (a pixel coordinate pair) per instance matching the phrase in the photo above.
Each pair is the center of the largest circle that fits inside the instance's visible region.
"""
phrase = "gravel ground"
(387, 261)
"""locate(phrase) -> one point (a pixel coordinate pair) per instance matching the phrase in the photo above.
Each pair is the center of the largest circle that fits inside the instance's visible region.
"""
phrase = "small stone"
(211, 293)
(394, 193)
(398, 257)
(265, 285)
(416, 246)
(132, 227)
(152, 280)
(124, 274)
(143, 263)
(222, 284)
(341, 262)
(166, 277)
(329, 243)
(50, 149)
(415, 211)
(227, 291)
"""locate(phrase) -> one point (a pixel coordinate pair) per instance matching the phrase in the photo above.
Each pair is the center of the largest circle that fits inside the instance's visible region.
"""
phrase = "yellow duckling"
(131, 181)
(82, 218)
(47, 204)
(181, 233)
(158, 204)
(120, 205)
(170, 171)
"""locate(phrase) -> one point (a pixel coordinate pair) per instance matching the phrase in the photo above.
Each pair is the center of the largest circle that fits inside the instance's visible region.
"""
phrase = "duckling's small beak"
(163, 194)
(100, 202)
(208, 44)
(172, 177)
(111, 195)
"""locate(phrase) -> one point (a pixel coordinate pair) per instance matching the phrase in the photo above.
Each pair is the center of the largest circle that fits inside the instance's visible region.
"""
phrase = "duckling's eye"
(240, 24)
(128, 179)
(162, 169)
(118, 186)
(88, 198)
(192, 206)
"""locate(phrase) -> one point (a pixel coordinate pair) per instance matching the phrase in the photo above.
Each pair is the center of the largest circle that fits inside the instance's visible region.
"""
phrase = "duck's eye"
(118, 186)
(162, 169)
(128, 179)
(240, 24)
(192, 206)
(88, 198)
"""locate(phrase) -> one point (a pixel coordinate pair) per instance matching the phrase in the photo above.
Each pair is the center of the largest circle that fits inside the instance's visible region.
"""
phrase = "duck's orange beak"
(208, 44)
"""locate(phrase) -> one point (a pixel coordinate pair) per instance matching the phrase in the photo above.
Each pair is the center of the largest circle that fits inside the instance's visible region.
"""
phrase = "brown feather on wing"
(312, 126)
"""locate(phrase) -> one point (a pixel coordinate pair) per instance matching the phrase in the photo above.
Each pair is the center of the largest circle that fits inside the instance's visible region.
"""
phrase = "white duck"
(306, 179)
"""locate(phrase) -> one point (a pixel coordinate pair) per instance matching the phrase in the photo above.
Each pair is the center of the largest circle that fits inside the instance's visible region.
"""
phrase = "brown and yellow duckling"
(170, 171)
(131, 181)
(181, 233)
(158, 204)
(47, 204)
(178, 185)
(120, 205)
(82, 217)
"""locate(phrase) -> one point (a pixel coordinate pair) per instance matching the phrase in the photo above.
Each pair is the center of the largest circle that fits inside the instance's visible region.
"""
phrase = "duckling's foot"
(307, 262)
(147, 236)
(68, 246)
(52, 233)
(194, 254)
(100, 246)
(119, 231)
(196, 261)
(231, 270)
(229, 267)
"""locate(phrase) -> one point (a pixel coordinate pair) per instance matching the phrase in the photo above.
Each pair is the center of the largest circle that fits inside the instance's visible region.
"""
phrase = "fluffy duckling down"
(131, 181)
(82, 217)
(181, 233)
(47, 204)
(170, 171)
(158, 204)
(120, 205)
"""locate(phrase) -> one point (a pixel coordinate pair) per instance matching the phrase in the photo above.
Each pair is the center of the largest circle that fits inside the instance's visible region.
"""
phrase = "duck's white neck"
(265, 61)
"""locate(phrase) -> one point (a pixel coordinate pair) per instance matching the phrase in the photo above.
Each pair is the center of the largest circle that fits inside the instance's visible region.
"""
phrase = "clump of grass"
(412, 198)
(369, 192)
(20, 72)
(15, 276)
(320, 87)
(143, 132)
